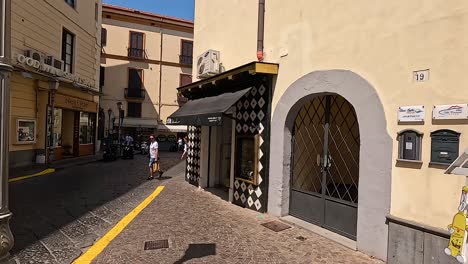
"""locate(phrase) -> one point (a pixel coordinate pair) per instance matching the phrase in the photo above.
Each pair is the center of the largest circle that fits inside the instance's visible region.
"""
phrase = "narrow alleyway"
(57, 216)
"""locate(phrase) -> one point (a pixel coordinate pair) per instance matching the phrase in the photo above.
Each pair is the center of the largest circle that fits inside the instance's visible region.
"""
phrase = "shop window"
(134, 109)
(68, 42)
(57, 136)
(185, 79)
(246, 168)
(136, 49)
(186, 52)
(71, 3)
(409, 145)
(444, 146)
(103, 37)
(86, 128)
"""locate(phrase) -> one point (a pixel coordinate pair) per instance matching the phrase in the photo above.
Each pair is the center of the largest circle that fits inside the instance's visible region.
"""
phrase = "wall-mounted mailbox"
(444, 146)
(409, 145)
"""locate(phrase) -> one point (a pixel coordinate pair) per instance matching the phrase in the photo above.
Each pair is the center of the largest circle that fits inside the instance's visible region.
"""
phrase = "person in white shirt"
(185, 154)
(154, 159)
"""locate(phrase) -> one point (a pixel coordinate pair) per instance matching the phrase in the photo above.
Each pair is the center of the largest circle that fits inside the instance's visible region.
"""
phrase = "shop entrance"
(325, 164)
(220, 145)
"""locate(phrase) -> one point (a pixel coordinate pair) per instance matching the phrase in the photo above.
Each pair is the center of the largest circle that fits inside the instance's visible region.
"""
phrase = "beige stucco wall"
(117, 64)
(38, 25)
(383, 42)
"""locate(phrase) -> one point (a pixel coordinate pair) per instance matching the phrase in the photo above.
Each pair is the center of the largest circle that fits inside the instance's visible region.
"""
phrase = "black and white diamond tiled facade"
(252, 118)
(192, 171)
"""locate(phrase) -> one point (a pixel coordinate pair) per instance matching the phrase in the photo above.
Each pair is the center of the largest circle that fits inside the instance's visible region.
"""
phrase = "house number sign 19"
(421, 76)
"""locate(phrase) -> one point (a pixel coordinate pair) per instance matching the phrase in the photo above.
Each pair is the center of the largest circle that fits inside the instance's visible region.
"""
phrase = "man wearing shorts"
(154, 158)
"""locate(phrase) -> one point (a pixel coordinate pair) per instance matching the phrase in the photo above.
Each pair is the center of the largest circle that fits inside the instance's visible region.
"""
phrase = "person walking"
(185, 154)
(154, 159)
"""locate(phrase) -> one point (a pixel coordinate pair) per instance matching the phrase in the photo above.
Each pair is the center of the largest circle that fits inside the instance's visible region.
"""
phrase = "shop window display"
(57, 137)
(86, 128)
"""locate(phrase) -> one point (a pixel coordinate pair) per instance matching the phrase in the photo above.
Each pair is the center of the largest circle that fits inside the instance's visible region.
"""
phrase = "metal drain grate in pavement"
(156, 244)
(276, 226)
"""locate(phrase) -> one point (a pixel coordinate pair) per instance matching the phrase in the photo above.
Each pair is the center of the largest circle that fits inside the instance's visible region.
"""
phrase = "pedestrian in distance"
(154, 159)
(180, 144)
(185, 154)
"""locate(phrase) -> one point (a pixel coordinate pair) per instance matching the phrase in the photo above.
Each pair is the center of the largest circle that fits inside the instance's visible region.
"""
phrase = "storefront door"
(325, 165)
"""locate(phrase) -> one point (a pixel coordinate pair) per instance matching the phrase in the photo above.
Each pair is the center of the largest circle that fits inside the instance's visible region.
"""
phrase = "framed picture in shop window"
(25, 131)
(246, 167)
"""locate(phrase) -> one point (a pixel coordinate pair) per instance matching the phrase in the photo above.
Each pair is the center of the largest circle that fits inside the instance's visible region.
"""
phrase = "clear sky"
(176, 8)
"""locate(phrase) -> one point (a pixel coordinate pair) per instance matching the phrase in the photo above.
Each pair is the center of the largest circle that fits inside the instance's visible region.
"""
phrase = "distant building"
(144, 58)
(55, 51)
(348, 121)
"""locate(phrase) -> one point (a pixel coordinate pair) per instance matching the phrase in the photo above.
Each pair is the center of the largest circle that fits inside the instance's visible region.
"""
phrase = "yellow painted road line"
(102, 243)
(44, 172)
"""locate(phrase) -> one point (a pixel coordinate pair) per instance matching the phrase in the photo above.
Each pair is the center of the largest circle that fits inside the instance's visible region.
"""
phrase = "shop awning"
(138, 122)
(206, 111)
(172, 128)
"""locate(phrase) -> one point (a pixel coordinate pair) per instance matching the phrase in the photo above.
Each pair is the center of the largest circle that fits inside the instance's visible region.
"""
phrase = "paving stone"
(69, 210)
(201, 228)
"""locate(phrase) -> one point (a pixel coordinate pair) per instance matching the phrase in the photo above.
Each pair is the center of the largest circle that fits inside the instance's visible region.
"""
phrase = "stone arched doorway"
(325, 164)
(375, 152)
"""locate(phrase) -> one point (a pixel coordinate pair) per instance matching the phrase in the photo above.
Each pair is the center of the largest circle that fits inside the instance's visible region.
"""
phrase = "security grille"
(325, 164)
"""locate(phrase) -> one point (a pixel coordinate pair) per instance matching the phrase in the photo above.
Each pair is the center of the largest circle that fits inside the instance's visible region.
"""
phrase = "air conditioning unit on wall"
(208, 64)
(34, 54)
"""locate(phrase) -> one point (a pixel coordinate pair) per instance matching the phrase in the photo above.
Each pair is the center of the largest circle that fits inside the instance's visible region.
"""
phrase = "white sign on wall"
(453, 111)
(421, 76)
(414, 113)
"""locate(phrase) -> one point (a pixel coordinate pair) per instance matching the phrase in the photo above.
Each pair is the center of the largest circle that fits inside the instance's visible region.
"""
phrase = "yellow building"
(55, 48)
(368, 108)
(145, 57)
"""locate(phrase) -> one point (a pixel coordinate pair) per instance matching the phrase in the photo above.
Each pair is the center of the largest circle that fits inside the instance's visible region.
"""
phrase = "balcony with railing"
(135, 94)
(137, 53)
(185, 59)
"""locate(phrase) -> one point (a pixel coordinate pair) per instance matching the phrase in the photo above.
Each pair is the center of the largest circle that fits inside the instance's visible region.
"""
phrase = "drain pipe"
(261, 29)
(160, 73)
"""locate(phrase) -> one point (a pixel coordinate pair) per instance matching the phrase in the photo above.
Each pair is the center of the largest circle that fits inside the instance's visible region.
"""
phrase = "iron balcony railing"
(138, 94)
(184, 59)
(137, 53)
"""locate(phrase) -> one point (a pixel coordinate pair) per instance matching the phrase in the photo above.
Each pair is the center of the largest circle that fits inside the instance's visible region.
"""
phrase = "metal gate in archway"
(325, 165)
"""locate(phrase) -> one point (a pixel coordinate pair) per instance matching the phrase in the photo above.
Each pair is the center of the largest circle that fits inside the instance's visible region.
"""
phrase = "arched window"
(409, 147)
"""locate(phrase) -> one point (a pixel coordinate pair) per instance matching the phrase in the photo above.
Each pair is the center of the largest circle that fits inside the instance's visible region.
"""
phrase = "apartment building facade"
(362, 109)
(55, 47)
(145, 57)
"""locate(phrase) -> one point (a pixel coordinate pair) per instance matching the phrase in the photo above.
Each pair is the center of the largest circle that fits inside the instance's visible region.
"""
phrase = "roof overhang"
(253, 68)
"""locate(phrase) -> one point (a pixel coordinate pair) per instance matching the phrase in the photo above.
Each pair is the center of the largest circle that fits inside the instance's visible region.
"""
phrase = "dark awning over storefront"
(206, 111)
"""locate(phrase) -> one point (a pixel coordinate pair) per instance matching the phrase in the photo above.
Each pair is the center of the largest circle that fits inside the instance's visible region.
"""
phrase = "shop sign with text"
(414, 113)
(453, 111)
(43, 67)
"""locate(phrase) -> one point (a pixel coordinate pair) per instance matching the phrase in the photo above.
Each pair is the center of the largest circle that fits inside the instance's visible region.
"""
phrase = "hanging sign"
(453, 111)
(413, 113)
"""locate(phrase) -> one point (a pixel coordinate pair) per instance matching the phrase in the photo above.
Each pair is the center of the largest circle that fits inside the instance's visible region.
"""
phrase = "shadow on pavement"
(197, 251)
(71, 208)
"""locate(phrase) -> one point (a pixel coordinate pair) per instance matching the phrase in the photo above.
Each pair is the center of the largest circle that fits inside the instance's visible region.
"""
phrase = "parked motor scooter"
(144, 149)
(110, 152)
(127, 151)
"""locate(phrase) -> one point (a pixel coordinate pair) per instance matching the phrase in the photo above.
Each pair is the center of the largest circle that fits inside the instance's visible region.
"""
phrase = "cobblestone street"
(58, 216)
(202, 228)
